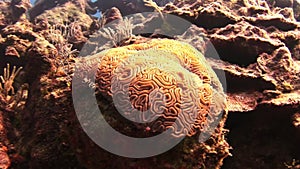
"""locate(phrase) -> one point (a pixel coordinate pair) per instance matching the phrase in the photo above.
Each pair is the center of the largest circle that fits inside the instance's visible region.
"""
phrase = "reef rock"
(258, 46)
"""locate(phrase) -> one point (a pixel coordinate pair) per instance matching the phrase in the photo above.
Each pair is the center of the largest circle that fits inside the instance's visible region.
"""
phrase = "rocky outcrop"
(41, 6)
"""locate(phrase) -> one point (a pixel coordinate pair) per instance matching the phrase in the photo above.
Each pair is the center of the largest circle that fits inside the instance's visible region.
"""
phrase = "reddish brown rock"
(73, 23)
(296, 120)
(15, 41)
(20, 7)
(277, 21)
(4, 158)
(112, 14)
(280, 68)
(5, 14)
(243, 101)
(296, 52)
(41, 6)
(206, 15)
(289, 38)
(242, 40)
(296, 8)
(126, 7)
(284, 3)
(5, 161)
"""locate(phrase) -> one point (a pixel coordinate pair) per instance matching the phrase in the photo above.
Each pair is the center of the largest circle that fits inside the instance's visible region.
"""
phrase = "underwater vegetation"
(235, 63)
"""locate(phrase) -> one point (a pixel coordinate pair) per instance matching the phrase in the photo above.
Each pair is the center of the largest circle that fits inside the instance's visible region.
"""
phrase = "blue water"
(32, 1)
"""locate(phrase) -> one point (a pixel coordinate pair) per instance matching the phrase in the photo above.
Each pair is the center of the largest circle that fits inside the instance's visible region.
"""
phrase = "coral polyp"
(162, 84)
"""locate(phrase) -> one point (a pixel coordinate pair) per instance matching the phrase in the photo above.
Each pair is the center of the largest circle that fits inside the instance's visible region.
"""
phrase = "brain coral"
(161, 84)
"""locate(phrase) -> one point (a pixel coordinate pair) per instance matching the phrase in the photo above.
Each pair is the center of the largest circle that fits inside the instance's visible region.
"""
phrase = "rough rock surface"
(259, 49)
(5, 160)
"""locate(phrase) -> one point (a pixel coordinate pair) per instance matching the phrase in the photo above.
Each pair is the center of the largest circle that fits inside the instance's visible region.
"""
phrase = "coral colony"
(169, 77)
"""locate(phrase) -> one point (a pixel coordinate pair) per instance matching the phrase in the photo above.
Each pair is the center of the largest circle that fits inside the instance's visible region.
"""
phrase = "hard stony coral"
(165, 84)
